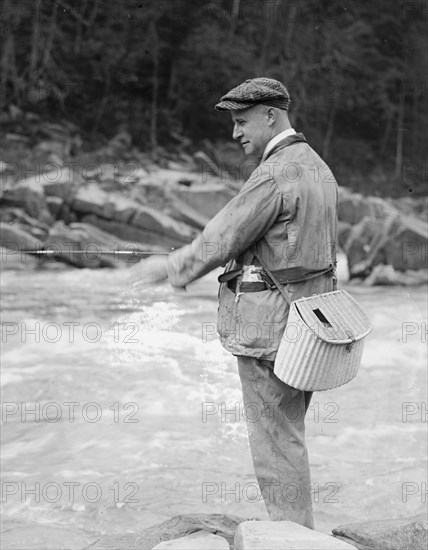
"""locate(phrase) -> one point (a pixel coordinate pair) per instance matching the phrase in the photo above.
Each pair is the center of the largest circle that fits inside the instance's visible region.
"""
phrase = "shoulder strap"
(281, 288)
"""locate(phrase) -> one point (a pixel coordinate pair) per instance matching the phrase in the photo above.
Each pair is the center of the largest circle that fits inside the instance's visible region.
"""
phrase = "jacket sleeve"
(242, 222)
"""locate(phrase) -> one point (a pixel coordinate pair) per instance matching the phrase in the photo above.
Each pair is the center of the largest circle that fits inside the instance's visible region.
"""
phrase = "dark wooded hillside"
(356, 71)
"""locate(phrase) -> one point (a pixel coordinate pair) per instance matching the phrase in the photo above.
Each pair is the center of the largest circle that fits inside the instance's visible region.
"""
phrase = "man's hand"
(152, 270)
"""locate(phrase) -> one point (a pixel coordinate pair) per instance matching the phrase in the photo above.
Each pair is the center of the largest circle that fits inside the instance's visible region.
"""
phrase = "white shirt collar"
(271, 144)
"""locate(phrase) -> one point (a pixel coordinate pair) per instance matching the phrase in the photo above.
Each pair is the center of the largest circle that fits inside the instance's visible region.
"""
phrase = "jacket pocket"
(251, 323)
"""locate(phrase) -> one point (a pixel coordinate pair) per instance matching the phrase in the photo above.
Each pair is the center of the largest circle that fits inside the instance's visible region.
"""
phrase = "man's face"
(251, 129)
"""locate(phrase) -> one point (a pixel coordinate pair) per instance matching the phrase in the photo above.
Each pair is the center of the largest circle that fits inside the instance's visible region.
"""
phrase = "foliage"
(356, 71)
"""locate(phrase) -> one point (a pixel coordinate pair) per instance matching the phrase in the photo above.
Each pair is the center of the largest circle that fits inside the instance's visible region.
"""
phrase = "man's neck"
(276, 139)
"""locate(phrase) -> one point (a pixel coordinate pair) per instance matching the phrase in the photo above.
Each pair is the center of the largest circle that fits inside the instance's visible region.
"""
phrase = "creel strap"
(282, 290)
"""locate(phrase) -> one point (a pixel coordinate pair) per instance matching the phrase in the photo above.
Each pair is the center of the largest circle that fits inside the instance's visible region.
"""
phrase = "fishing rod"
(101, 252)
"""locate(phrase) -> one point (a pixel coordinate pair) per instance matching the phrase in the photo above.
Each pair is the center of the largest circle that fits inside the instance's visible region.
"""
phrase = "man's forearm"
(195, 260)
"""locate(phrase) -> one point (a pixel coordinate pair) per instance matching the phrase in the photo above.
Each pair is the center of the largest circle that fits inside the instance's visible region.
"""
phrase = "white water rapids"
(104, 392)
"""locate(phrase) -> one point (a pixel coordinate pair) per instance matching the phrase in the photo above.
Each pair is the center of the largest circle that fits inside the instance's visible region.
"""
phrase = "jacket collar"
(279, 137)
(289, 140)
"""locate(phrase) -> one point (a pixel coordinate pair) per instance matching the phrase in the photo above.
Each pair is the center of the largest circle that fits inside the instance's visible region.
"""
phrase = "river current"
(121, 409)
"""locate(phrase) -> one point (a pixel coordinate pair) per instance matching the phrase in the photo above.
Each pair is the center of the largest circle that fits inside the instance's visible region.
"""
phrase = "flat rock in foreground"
(284, 535)
(178, 526)
(389, 534)
(201, 540)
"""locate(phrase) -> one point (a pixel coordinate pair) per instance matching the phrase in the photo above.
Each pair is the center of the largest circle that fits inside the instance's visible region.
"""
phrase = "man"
(282, 222)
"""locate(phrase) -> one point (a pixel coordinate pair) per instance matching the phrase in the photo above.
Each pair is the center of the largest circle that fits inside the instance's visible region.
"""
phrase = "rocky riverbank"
(119, 199)
(223, 532)
(385, 240)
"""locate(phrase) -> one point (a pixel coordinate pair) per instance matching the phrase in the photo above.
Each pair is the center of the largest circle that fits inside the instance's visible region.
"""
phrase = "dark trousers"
(276, 431)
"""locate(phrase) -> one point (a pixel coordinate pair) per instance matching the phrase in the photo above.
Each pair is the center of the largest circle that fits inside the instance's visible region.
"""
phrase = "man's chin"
(252, 154)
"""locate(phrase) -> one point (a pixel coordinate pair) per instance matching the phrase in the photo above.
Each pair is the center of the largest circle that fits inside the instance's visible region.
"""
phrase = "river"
(116, 411)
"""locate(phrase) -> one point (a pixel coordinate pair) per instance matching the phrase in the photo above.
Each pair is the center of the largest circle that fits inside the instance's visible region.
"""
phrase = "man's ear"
(271, 115)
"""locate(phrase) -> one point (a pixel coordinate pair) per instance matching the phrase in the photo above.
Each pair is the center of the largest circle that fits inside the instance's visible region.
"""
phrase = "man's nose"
(237, 132)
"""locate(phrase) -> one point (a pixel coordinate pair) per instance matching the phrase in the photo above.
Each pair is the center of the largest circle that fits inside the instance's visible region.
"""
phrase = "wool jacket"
(286, 212)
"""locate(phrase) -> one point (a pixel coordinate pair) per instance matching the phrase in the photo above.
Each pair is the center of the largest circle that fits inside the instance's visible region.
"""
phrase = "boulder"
(201, 540)
(343, 232)
(387, 275)
(31, 200)
(412, 206)
(130, 174)
(279, 535)
(352, 207)
(207, 199)
(18, 216)
(31, 182)
(150, 194)
(399, 241)
(179, 526)
(14, 237)
(359, 243)
(128, 217)
(62, 182)
(373, 231)
(45, 175)
(207, 164)
(84, 245)
(67, 215)
(380, 208)
(119, 209)
(406, 248)
(133, 233)
(157, 222)
(90, 199)
(161, 198)
(166, 177)
(179, 210)
(30, 192)
(390, 534)
(20, 232)
(55, 206)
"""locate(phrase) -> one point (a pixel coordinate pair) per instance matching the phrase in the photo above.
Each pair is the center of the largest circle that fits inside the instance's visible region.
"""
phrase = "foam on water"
(356, 434)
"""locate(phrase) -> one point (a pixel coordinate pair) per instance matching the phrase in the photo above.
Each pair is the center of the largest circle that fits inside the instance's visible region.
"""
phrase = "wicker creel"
(323, 342)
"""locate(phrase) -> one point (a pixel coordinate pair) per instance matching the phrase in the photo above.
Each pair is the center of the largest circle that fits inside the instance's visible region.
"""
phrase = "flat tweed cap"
(253, 92)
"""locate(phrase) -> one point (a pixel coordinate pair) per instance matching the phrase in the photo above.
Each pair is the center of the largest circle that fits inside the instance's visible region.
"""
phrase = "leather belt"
(285, 276)
(256, 286)
(297, 274)
(232, 277)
